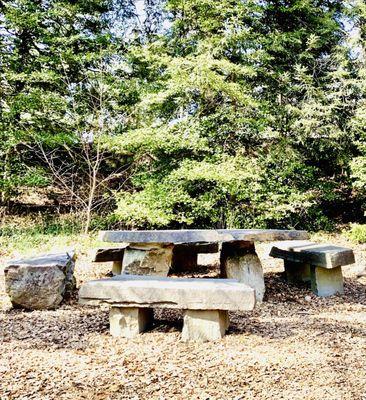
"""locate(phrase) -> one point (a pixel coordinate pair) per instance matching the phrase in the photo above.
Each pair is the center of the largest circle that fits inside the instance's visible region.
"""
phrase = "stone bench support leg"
(239, 260)
(150, 259)
(117, 267)
(203, 326)
(129, 322)
(297, 272)
(326, 282)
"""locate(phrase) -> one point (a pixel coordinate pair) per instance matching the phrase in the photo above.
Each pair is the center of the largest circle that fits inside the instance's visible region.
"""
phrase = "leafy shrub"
(357, 233)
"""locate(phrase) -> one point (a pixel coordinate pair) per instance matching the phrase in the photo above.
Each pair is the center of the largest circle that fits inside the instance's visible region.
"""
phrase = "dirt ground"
(293, 346)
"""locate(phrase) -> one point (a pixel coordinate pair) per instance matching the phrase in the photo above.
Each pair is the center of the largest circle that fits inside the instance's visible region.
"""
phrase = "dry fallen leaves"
(293, 346)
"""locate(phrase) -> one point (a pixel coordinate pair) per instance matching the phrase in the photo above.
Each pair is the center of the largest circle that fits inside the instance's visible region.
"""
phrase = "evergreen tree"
(222, 133)
(46, 49)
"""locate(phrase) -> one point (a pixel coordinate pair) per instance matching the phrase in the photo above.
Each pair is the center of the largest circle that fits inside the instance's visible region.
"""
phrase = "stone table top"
(202, 235)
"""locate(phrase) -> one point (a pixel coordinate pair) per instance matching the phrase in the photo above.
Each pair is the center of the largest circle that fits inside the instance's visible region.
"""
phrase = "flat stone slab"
(45, 260)
(160, 292)
(108, 254)
(202, 235)
(322, 255)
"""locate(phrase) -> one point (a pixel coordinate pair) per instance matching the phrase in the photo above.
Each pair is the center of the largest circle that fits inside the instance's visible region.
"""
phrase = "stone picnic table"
(152, 252)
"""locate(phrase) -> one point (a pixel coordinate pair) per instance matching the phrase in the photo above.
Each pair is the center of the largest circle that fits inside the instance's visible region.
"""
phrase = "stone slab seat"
(321, 264)
(205, 302)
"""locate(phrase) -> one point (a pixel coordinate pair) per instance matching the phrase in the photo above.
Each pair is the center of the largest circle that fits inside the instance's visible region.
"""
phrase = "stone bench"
(205, 302)
(320, 264)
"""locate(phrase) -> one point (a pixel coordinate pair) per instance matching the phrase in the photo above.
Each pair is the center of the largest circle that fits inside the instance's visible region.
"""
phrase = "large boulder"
(42, 282)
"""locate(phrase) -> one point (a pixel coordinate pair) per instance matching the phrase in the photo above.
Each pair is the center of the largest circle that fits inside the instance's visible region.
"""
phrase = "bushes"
(357, 233)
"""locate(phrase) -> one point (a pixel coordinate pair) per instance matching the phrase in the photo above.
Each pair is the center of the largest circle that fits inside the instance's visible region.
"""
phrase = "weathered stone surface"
(197, 235)
(129, 322)
(109, 254)
(40, 282)
(203, 326)
(152, 259)
(240, 261)
(159, 292)
(326, 282)
(185, 255)
(324, 255)
(297, 272)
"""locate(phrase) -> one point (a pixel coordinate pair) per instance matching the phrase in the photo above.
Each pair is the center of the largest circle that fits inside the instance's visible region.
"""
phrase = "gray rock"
(240, 261)
(147, 259)
(41, 282)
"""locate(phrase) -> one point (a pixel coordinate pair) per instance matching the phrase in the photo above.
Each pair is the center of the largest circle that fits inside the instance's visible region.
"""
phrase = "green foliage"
(34, 234)
(357, 233)
(198, 113)
(243, 118)
(47, 49)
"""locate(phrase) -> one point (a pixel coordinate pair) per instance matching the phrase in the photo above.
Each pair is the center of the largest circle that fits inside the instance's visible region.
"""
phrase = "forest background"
(182, 114)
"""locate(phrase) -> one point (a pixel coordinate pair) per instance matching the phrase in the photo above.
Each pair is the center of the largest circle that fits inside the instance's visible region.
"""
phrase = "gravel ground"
(293, 346)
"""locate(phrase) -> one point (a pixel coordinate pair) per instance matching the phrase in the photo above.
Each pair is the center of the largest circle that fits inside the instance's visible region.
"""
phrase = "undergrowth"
(31, 235)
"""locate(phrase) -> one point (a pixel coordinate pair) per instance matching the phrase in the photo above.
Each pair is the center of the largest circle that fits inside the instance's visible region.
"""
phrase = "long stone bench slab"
(320, 264)
(205, 302)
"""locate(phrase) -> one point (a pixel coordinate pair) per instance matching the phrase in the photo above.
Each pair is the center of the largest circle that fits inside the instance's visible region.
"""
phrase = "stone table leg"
(326, 282)
(203, 326)
(149, 259)
(239, 260)
(117, 267)
(128, 322)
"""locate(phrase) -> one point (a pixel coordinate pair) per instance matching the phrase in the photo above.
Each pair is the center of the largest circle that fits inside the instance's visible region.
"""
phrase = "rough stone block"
(151, 259)
(240, 261)
(326, 282)
(129, 322)
(203, 326)
(40, 282)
